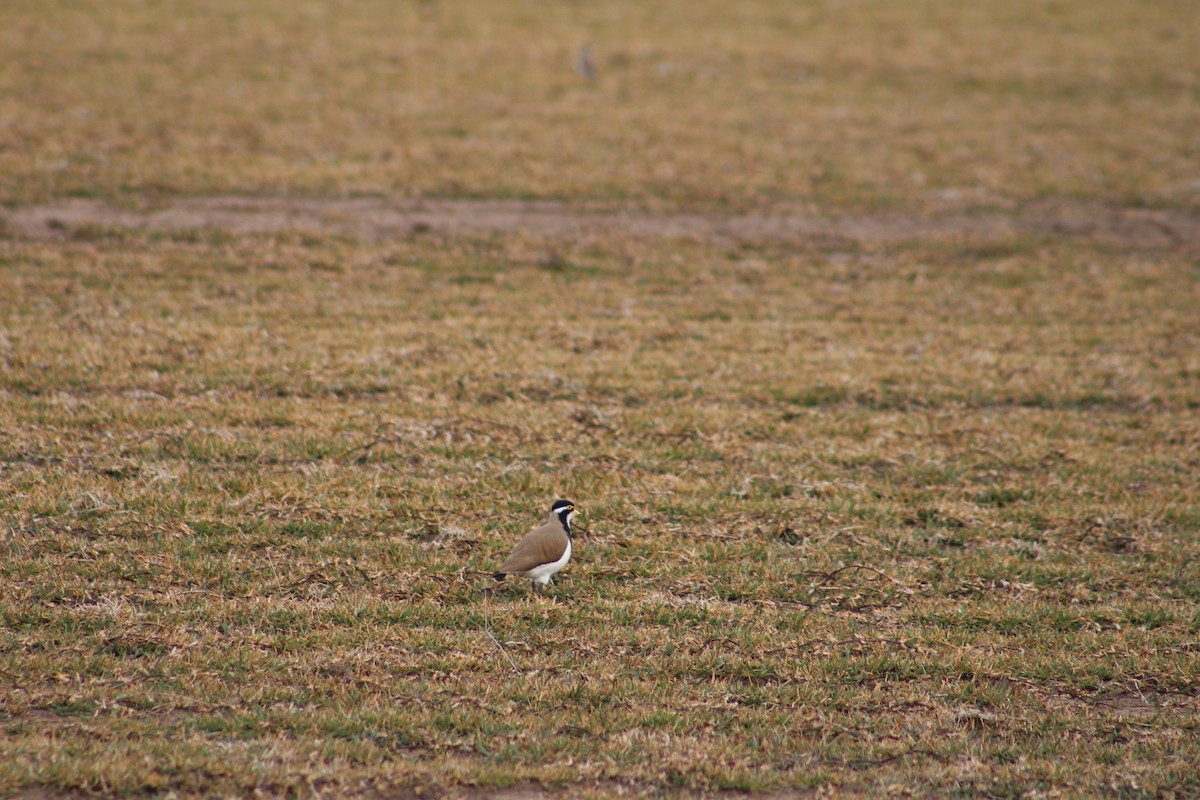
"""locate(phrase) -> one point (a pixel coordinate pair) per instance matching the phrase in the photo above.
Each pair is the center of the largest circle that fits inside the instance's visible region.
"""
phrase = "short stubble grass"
(861, 517)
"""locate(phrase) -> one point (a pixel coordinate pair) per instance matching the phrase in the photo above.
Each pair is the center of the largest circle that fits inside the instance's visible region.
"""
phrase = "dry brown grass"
(863, 103)
(917, 519)
(903, 515)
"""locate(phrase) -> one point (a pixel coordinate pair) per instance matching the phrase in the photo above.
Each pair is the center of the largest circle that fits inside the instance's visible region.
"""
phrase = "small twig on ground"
(211, 593)
(840, 643)
(827, 577)
(502, 649)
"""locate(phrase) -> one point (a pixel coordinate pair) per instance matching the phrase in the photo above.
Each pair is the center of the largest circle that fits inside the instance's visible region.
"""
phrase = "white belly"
(542, 574)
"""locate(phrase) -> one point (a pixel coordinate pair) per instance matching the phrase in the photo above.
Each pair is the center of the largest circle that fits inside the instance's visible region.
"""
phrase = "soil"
(392, 218)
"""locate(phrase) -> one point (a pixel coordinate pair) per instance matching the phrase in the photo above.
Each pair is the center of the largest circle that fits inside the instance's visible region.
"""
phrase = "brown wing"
(543, 545)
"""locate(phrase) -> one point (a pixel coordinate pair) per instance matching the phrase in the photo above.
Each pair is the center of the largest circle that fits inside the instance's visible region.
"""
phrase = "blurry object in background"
(585, 65)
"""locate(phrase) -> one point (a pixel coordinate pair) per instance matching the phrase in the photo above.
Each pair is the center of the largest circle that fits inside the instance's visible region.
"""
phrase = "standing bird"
(585, 65)
(544, 550)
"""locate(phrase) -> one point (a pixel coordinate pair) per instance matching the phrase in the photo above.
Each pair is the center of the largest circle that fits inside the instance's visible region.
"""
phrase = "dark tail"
(499, 576)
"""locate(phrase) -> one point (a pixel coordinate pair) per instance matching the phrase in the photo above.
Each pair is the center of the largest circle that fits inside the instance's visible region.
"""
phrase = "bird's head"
(564, 510)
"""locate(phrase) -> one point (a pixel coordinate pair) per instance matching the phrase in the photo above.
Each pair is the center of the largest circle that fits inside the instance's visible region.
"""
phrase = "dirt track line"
(384, 218)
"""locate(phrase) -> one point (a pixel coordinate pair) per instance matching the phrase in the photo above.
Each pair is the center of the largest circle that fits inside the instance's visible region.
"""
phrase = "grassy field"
(912, 517)
(860, 104)
(917, 518)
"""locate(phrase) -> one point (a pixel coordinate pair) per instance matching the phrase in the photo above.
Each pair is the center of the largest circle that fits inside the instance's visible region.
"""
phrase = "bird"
(543, 551)
(585, 65)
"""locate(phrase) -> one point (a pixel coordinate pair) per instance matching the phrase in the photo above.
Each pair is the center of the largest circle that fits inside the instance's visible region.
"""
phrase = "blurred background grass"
(842, 104)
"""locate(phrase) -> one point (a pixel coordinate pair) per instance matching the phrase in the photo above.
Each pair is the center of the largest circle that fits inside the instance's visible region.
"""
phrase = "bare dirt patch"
(391, 218)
